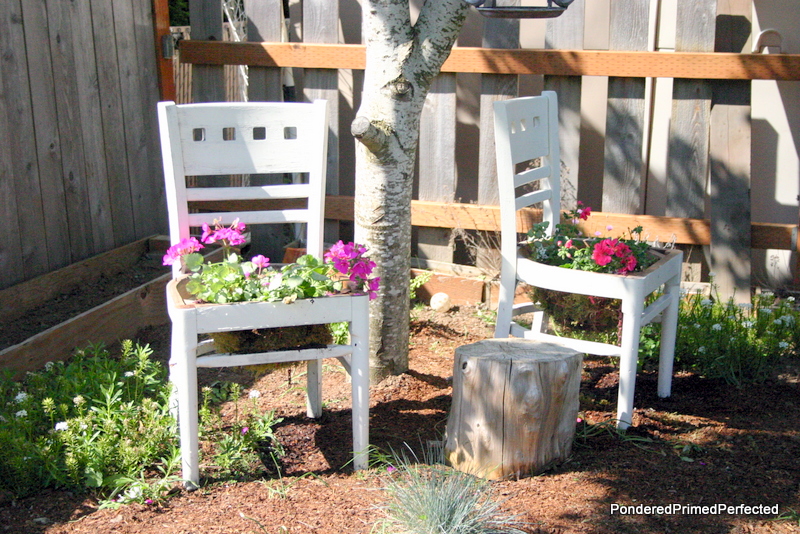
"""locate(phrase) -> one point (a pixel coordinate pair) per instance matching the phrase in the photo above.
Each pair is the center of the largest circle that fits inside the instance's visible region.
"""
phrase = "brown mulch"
(709, 443)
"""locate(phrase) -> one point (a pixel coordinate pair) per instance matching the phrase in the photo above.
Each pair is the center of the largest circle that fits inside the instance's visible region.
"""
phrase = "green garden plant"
(431, 498)
(739, 343)
(102, 424)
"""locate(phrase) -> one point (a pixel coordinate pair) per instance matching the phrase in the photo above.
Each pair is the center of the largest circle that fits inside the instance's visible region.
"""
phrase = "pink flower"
(583, 213)
(260, 261)
(602, 252)
(372, 286)
(185, 246)
(245, 430)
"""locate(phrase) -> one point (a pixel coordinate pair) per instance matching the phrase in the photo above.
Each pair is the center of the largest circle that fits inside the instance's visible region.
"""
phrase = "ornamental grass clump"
(435, 499)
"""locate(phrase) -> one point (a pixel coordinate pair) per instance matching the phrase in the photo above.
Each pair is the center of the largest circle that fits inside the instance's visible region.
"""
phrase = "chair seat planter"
(191, 319)
(526, 132)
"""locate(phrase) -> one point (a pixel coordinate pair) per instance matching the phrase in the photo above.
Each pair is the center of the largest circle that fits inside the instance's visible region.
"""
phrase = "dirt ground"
(707, 444)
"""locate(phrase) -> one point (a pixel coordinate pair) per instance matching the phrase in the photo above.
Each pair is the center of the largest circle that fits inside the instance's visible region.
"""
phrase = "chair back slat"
(526, 135)
(235, 138)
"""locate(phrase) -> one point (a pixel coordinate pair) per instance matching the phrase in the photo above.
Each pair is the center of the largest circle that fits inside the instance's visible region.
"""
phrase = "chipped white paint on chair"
(254, 138)
(526, 129)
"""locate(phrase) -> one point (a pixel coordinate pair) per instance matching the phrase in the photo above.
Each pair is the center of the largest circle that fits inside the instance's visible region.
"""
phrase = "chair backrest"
(231, 138)
(526, 130)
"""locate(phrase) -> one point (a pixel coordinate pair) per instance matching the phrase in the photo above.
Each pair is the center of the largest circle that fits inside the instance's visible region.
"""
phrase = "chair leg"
(359, 376)
(183, 373)
(314, 388)
(505, 304)
(632, 309)
(669, 330)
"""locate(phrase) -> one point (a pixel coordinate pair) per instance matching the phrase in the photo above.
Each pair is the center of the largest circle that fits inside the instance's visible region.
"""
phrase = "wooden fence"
(705, 143)
(80, 169)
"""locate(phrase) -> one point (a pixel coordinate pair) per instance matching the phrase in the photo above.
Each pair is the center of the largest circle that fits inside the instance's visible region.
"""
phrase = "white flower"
(62, 425)
(129, 373)
(748, 324)
(777, 322)
(746, 306)
(21, 396)
(790, 299)
(765, 310)
(783, 345)
(701, 350)
(706, 303)
(21, 413)
(788, 320)
(697, 325)
(716, 327)
(48, 366)
(254, 394)
(78, 400)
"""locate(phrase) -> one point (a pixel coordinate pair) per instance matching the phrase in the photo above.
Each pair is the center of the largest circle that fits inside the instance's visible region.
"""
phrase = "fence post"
(208, 84)
(624, 166)
(729, 206)
(566, 33)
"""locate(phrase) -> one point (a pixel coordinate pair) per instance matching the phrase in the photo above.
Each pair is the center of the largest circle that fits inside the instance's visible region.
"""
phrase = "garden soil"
(708, 444)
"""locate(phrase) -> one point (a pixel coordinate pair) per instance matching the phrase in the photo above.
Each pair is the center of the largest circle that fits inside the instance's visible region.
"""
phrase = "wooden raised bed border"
(116, 319)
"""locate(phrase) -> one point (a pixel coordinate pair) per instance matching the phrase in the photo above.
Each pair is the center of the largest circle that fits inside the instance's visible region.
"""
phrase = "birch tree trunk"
(402, 61)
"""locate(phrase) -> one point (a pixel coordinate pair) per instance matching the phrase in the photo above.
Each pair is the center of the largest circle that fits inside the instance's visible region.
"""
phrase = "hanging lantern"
(520, 12)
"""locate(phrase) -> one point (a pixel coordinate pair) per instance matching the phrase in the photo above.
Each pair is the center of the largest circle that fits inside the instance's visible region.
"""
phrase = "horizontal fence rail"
(718, 66)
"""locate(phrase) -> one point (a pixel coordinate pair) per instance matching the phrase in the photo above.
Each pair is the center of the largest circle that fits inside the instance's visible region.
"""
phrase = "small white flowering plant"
(345, 268)
(740, 343)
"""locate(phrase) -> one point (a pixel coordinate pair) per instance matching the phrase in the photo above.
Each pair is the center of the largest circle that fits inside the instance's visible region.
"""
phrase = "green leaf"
(193, 261)
(94, 479)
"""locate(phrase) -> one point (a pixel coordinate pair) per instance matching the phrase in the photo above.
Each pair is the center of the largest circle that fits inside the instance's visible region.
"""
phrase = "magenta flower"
(260, 261)
(185, 246)
(245, 430)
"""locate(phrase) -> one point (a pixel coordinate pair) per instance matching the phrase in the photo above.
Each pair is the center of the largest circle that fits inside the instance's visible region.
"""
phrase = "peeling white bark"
(402, 60)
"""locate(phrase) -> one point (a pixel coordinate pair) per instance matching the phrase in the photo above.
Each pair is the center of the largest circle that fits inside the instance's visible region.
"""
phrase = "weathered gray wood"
(437, 166)
(264, 22)
(264, 19)
(208, 84)
(110, 88)
(514, 407)
(687, 163)
(21, 194)
(61, 23)
(48, 141)
(624, 166)
(89, 98)
(147, 181)
(497, 33)
(566, 33)
(730, 160)
(321, 25)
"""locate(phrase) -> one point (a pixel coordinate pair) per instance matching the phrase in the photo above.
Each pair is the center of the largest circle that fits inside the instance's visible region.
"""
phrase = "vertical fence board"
(48, 141)
(147, 180)
(437, 166)
(21, 192)
(207, 80)
(93, 140)
(566, 33)
(622, 178)
(497, 33)
(108, 75)
(264, 20)
(687, 162)
(321, 25)
(729, 206)
(61, 22)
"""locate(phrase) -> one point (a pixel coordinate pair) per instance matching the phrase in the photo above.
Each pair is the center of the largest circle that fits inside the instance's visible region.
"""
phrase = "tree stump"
(515, 404)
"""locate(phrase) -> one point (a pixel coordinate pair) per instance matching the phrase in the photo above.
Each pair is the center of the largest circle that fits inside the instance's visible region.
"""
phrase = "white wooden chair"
(527, 129)
(252, 138)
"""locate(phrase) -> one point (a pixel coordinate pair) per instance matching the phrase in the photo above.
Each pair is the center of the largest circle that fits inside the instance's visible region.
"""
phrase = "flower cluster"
(569, 248)
(346, 268)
